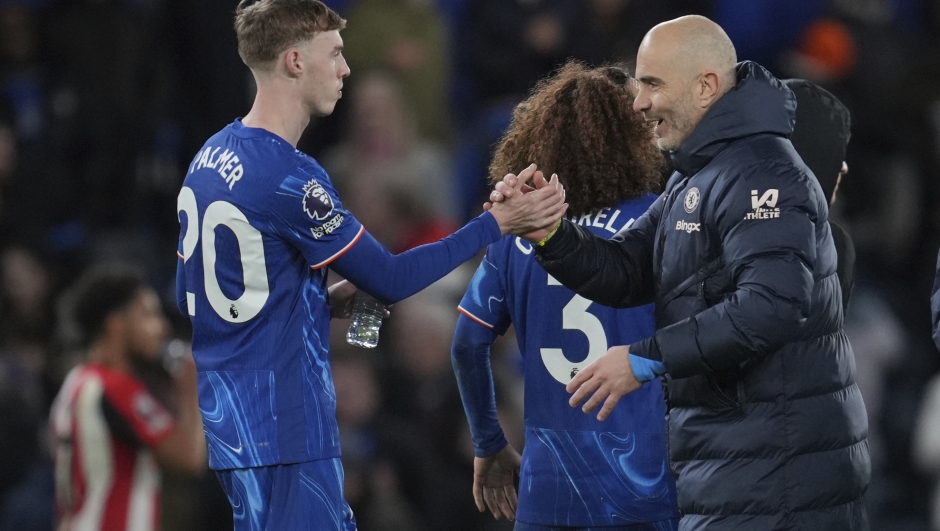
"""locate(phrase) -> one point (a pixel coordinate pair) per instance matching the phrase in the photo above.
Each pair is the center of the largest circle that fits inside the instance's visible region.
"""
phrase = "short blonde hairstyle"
(265, 28)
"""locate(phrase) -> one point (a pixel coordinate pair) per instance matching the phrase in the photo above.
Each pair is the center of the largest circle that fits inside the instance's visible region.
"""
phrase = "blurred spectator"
(21, 78)
(884, 204)
(505, 47)
(7, 159)
(610, 31)
(826, 52)
(406, 39)
(879, 340)
(208, 82)
(25, 296)
(761, 31)
(396, 183)
(514, 43)
(30, 196)
(820, 136)
(372, 481)
(26, 324)
(102, 60)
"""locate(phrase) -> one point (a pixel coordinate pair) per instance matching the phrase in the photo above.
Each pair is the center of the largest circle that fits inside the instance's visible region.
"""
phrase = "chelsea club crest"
(691, 199)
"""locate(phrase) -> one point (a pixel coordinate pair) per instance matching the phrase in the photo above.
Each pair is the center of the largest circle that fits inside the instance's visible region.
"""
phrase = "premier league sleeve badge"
(317, 202)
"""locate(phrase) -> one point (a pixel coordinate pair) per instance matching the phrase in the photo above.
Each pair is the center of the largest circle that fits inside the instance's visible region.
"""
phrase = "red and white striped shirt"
(104, 423)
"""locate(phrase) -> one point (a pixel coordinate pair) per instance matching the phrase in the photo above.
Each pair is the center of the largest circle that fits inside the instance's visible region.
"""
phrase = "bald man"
(767, 428)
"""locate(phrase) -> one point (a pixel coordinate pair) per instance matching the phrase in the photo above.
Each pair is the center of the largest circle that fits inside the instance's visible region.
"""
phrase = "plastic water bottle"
(367, 314)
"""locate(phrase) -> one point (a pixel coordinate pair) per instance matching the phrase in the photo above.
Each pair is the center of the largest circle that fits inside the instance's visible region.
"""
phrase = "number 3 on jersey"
(251, 255)
(574, 316)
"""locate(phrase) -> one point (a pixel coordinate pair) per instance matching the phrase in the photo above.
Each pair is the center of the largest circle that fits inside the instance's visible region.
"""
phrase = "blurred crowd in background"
(103, 103)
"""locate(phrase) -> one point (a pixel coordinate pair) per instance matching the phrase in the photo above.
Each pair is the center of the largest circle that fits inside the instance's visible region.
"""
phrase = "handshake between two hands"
(532, 213)
(528, 212)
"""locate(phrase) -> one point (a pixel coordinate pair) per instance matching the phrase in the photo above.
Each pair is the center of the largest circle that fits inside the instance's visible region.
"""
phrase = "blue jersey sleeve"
(307, 212)
(485, 314)
(470, 356)
(390, 277)
(485, 299)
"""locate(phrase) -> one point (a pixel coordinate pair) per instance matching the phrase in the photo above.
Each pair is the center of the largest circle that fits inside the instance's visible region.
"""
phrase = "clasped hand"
(525, 211)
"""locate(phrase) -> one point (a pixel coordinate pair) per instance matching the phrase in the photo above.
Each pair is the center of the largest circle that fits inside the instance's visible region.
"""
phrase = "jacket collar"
(759, 103)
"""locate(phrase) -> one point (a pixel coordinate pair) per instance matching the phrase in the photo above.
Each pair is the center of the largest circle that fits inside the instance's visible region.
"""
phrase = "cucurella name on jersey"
(602, 219)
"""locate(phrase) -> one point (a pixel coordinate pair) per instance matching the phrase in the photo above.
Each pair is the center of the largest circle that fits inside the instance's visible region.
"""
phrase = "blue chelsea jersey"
(259, 221)
(576, 470)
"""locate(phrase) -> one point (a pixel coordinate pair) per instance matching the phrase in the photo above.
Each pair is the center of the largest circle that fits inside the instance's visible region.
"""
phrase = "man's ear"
(293, 62)
(708, 89)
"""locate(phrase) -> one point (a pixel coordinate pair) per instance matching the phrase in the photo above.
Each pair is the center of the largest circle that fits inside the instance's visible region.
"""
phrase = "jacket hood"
(759, 103)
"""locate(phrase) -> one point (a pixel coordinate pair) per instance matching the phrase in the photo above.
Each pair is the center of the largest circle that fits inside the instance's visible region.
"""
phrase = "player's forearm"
(391, 278)
(184, 450)
(191, 422)
(470, 356)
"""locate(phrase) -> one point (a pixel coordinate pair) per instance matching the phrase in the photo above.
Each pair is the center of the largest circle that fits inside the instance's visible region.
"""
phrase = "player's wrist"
(552, 232)
(492, 223)
(534, 237)
(489, 450)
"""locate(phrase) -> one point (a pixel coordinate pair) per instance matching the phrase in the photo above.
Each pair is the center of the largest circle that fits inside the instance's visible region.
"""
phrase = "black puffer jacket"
(767, 429)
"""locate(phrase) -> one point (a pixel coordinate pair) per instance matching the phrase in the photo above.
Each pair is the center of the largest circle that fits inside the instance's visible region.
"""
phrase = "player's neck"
(110, 354)
(279, 112)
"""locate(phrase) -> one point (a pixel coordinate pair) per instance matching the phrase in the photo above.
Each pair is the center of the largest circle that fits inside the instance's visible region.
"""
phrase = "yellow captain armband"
(544, 240)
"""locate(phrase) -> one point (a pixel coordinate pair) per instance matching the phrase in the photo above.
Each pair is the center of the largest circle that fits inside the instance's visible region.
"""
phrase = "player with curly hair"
(576, 472)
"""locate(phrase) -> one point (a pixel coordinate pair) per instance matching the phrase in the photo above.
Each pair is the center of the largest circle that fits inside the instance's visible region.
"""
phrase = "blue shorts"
(665, 525)
(296, 497)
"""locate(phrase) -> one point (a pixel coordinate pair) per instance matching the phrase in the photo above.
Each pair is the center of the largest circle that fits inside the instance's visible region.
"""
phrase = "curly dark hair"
(580, 124)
